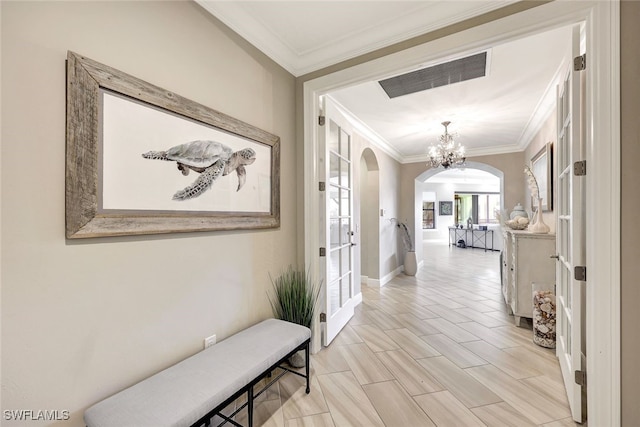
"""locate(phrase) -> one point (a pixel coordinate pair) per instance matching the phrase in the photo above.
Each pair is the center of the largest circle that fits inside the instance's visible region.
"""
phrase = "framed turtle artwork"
(143, 160)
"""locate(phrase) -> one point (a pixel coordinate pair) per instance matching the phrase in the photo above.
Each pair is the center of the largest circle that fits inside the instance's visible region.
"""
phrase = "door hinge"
(323, 317)
(580, 62)
(580, 168)
(321, 186)
(580, 378)
(580, 273)
(321, 120)
(323, 252)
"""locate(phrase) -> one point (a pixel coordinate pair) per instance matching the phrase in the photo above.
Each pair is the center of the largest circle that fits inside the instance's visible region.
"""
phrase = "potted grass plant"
(294, 297)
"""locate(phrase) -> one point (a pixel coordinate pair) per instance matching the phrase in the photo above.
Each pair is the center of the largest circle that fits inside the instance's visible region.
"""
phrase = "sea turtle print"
(209, 158)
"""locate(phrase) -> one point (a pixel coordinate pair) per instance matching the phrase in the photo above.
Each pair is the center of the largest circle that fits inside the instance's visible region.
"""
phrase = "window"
(429, 215)
(487, 205)
(480, 207)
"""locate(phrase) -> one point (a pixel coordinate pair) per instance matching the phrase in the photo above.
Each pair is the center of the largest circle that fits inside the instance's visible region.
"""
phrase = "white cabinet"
(526, 259)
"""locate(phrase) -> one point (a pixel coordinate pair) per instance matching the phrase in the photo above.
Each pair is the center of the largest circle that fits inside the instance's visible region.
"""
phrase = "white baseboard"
(357, 299)
(374, 283)
(378, 283)
(386, 279)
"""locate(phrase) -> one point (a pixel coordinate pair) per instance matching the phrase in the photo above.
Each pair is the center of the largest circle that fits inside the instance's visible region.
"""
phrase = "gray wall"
(630, 175)
(547, 133)
(82, 320)
(386, 258)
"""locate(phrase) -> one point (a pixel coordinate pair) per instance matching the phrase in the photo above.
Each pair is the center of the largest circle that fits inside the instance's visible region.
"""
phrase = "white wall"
(444, 193)
(84, 319)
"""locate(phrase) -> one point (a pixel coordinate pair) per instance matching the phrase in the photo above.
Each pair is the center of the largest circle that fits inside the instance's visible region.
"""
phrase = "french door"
(335, 170)
(570, 238)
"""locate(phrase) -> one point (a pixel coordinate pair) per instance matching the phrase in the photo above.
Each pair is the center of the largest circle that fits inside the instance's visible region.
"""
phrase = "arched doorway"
(424, 177)
(369, 218)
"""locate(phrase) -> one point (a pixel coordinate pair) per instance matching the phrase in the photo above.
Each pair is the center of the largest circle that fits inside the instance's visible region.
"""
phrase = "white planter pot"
(298, 360)
(410, 264)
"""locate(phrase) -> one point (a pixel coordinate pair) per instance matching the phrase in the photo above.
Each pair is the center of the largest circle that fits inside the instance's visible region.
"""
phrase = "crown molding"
(359, 42)
(545, 107)
(372, 136)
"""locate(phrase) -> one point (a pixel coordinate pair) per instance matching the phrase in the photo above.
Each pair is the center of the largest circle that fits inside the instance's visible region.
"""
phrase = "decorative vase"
(518, 211)
(410, 264)
(538, 226)
(298, 360)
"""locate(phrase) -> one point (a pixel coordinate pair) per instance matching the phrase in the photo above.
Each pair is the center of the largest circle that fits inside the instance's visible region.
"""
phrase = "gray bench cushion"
(184, 393)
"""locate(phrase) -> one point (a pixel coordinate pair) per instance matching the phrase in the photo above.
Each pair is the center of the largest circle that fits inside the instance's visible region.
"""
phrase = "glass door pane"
(339, 222)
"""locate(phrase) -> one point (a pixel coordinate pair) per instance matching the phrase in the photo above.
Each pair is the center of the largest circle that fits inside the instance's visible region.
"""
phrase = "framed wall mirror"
(542, 168)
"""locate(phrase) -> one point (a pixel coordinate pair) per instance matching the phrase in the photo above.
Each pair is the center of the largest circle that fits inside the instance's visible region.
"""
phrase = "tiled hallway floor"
(435, 349)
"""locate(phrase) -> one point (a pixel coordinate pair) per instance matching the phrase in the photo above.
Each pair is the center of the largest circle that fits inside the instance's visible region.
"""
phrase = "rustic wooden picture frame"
(86, 79)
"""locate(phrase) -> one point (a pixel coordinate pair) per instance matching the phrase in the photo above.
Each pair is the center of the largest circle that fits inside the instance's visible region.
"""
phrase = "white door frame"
(603, 157)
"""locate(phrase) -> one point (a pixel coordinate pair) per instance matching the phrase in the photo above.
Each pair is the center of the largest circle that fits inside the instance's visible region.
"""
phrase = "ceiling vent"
(468, 68)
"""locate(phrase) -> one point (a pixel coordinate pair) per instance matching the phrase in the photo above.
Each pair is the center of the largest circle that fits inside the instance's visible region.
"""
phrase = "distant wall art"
(143, 160)
(446, 208)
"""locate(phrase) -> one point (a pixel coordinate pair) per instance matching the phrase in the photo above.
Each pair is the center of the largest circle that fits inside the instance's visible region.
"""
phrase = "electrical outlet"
(209, 341)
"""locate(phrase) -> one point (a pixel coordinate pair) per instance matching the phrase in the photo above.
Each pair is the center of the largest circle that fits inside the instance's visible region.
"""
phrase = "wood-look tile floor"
(437, 349)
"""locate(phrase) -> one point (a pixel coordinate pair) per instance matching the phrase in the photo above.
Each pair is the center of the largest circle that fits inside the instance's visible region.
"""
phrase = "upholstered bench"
(191, 392)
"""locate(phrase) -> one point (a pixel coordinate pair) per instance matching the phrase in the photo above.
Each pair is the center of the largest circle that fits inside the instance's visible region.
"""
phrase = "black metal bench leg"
(306, 368)
(250, 406)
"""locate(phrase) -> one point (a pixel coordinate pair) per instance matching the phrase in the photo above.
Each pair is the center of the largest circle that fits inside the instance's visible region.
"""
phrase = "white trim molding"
(378, 283)
(603, 214)
(546, 106)
(367, 132)
(357, 299)
(429, 17)
(375, 283)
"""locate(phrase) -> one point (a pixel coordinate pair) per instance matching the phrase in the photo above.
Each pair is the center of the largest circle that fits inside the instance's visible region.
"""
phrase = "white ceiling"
(498, 113)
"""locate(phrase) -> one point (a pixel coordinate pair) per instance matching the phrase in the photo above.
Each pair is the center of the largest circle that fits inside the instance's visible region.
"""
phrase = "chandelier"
(447, 153)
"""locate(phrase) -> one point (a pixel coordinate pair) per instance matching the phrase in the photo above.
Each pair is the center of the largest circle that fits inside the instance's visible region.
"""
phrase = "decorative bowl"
(516, 225)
